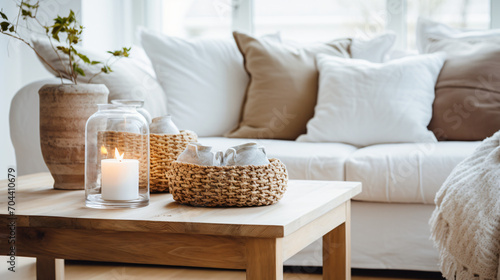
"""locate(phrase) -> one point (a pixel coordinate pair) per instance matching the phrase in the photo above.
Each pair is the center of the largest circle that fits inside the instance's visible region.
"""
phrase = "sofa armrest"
(24, 128)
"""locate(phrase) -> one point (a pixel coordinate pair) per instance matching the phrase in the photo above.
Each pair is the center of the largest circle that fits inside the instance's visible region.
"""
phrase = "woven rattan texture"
(163, 150)
(228, 185)
(133, 145)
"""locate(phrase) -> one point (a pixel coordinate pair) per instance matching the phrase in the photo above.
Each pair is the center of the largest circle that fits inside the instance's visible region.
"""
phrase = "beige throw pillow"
(467, 104)
(283, 86)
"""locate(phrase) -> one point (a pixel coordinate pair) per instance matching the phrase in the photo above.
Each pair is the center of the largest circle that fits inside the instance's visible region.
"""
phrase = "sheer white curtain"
(112, 24)
(174, 12)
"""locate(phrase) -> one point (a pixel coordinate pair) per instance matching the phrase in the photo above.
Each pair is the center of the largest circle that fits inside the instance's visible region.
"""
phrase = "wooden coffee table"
(53, 225)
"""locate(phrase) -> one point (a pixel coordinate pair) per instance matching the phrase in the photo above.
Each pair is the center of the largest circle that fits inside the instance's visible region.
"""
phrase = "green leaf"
(73, 38)
(26, 13)
(95, 62)
(59, 20)
(56, 28)
(3, 16)
(28, 5)
(4, 25)
(106, 69)
(78, 70)
(11, 29)
(83, 57)
(63, 49)
(71, 17)
(124, 52)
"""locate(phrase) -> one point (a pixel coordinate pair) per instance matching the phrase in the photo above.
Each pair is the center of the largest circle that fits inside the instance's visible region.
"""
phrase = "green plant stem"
(57, 53)
(36, 10)
(100, 72)
(106, 64)
(73, 74)
(51, 44)
(29, 45)
(19, 14)
(95, 75)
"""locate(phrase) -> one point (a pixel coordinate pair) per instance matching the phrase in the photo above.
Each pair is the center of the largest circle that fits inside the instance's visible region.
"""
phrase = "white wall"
(18, 67)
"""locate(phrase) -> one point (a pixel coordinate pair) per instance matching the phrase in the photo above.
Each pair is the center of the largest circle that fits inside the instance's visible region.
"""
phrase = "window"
(196, 18)
(321, 20)
(464, 14)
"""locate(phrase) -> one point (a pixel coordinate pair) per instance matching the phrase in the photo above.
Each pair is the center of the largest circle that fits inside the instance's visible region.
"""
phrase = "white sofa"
(389, 218)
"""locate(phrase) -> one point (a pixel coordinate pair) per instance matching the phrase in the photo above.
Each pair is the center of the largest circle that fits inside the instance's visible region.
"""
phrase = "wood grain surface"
(39, 205)
(54, 224)
(106, 271)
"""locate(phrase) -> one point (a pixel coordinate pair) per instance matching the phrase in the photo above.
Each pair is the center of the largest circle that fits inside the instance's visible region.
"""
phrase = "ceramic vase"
(196, 153)
(64, 110)
(246, 154)
(163, 125)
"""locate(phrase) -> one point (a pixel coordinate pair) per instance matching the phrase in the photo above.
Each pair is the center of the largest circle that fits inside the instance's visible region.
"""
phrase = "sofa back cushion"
(467, 103)
(432, 36)
(283, 86)
(204, 80)
(375, 49)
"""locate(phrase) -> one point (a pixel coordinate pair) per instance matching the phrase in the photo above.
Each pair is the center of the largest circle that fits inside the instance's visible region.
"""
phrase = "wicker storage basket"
(163, 150)
(228, 185)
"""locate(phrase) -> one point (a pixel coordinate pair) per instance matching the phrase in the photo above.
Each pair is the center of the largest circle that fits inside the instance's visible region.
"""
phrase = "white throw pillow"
(375, 49)
(204, 79)
(434, 36)
(363, 103)
(132, 77)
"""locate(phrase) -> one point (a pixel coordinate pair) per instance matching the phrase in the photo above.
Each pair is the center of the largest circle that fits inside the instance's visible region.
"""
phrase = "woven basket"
(163, 150)
(228, 185)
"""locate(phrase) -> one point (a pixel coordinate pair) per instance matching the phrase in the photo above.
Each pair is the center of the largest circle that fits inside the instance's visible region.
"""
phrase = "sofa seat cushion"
(304, 161)
(405, 173)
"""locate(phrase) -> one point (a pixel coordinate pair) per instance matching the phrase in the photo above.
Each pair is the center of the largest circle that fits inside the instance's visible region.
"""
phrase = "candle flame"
(104, 151)
(118, 156)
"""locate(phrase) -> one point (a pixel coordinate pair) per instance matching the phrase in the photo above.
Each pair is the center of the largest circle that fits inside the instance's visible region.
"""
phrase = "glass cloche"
(117, 158)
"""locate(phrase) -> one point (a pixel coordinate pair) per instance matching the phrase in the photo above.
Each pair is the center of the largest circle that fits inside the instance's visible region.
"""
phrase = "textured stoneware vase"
(64, 110)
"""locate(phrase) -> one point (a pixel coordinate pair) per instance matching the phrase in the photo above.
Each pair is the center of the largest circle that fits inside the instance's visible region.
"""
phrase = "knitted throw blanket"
(466, 222)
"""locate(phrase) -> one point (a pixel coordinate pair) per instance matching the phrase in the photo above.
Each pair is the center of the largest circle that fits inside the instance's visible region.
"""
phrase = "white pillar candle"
(120, 179)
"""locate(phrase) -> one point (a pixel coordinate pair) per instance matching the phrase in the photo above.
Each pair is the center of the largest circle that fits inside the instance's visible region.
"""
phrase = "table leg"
(337, 250)
(49, 269)
(264, 259)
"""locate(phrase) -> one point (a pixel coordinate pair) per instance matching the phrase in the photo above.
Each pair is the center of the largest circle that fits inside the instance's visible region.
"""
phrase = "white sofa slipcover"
(407, 172)
(304, 161)
(384, 235)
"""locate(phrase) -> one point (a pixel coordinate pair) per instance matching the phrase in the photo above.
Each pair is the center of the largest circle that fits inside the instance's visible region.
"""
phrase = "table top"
(39, 205)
